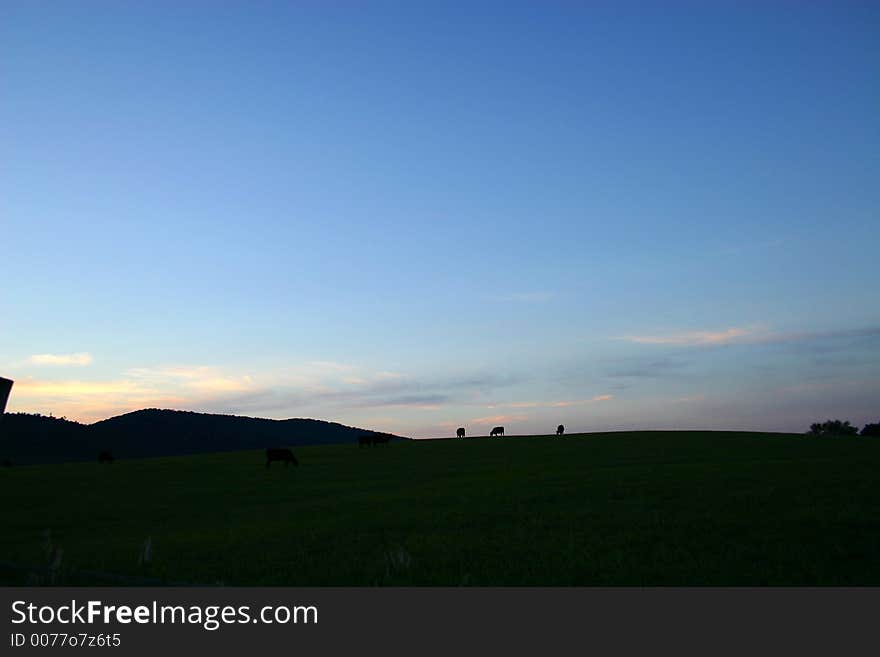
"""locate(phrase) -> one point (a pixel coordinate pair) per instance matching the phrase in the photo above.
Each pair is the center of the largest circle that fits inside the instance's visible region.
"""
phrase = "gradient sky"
(416, 216)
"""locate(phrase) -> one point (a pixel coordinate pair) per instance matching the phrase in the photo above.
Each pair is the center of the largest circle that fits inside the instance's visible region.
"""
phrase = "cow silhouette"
(105, 456)
(369, 440)
(280, 454)
(460, 432)
(560, 430)
(497, 431)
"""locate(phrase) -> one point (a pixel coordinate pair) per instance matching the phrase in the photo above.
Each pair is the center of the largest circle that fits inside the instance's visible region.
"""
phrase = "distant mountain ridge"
(30, 439)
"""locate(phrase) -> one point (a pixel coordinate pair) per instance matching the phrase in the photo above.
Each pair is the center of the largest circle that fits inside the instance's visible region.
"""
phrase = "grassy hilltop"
(639, 508)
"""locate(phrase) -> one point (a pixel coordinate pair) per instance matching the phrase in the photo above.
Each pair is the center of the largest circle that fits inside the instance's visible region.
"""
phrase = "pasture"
(639, 508)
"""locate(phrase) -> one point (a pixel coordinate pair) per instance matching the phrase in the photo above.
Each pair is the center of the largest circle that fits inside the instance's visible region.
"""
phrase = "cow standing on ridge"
(460, 432)
(497, 431)
(560, 430)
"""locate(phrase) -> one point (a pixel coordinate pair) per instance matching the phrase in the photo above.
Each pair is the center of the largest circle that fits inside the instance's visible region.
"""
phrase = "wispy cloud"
(367, 379)
(495, 419)
(35, 387)
(184, 387)
(314, 388)
(88, 401)
(208, 379)
(749, 335)
(870, 332)
(642, 368)
(597, 398)
(552, 404)
(694, 338)
(375, 397)
(829, 386)
(80, 358)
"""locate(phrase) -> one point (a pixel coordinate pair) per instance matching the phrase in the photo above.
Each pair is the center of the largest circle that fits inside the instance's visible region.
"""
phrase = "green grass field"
(646, 508)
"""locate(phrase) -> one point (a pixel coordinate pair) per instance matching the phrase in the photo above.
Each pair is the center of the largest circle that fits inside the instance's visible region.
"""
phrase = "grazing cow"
(560, 430)
(365, 441)
(280, 454)
(460, 432)
(105, 456)
(497, 431)
(381, 439)
(6, 463)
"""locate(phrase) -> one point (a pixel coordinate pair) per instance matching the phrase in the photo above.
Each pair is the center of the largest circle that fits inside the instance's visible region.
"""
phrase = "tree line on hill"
(842, 428)
(32, 438)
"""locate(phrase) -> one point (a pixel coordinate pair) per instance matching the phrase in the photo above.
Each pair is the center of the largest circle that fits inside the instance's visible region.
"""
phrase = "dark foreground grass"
(646, 508)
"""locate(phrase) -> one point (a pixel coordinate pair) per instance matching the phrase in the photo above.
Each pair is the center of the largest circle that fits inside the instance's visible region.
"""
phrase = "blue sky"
(415, 216)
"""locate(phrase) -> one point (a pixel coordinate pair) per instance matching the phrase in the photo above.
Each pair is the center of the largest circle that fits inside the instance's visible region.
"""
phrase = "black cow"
(6, 463)
(373, 439)
(280, 454)
(497, 431)
(560, 430)
(105, 456)
(460, 432)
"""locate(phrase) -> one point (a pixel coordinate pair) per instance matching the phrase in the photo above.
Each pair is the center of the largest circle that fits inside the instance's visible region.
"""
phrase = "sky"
(417, 216)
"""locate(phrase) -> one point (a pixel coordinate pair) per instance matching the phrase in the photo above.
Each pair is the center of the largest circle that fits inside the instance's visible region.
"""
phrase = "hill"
(30, 439)
(633, 508)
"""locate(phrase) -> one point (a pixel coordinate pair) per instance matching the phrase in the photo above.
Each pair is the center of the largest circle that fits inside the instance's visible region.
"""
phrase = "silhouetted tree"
(833, 428)
(872, 430)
